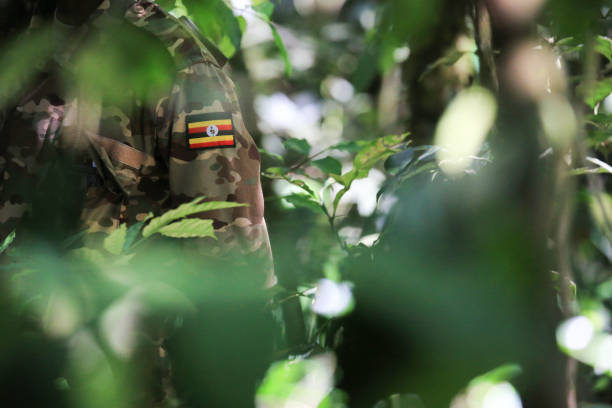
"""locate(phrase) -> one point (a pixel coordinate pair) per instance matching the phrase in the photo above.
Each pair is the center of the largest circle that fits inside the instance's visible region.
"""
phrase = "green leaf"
(183, 211)
(242, 23)
(386, 55)
(568, 45)
(500, 374)
(134, 232)
(115, 242)
(449, 59)
(178, 9)
(281, 173)
(218, 23)
(7, 241)
(406, 21)
(367, 158)
(398, 161)
(230, 26)
(61, 384)
(337, 398)
(304, 201)
(276, 172)
(272, 156)
(595, 92)
(411, 170)
(299, 145)
(600, 385)
(226, 46)
(281, 48)
(301, 184)
(133, 63)
(351, 147)
(366, 71)
(586, 170)
(566, 41)
(265, 9)
(600, 163)
(378, 150)
(601, 120)
(281, 378)
(189, 228)
(269, 160)
(328, 165)
(20, 59)
(603, 45)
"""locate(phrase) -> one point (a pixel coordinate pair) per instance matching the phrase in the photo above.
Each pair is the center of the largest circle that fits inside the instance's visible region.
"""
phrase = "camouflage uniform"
(153, 153)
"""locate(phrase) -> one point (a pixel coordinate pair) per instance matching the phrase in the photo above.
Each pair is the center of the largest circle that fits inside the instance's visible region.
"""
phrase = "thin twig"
(307, 159)
(484, 39)
(567, 188)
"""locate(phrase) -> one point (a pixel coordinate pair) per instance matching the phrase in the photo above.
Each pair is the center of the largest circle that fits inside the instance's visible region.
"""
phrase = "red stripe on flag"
(203, 128)
(211, 144)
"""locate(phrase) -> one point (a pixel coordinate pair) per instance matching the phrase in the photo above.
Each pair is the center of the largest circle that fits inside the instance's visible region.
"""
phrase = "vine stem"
(594, 185)
(483, 34)
(331, 219)
(567, 188)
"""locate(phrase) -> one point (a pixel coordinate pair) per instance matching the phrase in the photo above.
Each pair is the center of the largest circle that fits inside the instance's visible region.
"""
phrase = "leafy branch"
(368, 154)
(173, 223)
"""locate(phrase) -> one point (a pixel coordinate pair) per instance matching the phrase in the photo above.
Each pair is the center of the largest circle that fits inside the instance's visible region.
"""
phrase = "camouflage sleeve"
(202, 137)
(212, 154)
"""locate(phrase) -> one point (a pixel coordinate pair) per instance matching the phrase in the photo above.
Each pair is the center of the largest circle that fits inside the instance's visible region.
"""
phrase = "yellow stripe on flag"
(210, 122)
(227, 138)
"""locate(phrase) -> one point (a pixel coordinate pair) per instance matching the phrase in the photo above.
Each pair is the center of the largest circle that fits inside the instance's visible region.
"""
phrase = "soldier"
(75, 155)
(133, 151)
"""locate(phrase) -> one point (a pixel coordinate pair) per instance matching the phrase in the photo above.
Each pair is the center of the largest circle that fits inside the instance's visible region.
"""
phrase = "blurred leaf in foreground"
(300, 382)
(21, 59)
(595, 92)
(603, 45)
(298, 145)
(217, 22)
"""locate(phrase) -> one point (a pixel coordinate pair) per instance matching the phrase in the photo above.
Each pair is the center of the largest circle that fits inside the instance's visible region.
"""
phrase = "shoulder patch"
(210, 130)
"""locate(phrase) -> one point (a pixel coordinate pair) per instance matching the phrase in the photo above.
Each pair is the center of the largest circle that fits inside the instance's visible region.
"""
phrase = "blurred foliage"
(437, 178)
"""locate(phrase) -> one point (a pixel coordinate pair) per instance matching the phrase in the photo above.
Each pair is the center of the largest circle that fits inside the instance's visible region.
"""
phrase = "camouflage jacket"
(153, 150)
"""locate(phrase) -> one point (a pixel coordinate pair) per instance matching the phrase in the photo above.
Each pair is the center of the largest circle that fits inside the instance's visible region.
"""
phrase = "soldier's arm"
(203, 139)
(212, 154)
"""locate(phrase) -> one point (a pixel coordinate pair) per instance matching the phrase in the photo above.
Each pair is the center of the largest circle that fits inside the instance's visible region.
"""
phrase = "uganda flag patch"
(209, 130)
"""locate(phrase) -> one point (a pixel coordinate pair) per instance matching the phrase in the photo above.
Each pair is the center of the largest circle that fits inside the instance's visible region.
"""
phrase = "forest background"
(436, 178)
